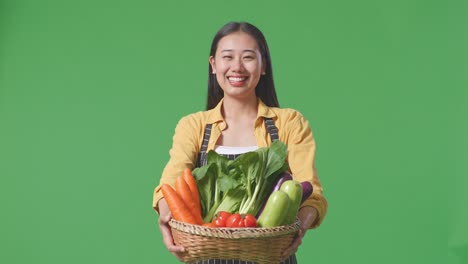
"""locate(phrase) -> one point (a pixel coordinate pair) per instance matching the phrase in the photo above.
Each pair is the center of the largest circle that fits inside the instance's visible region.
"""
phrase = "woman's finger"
(294, 245)
(164, 219)
(168, 240)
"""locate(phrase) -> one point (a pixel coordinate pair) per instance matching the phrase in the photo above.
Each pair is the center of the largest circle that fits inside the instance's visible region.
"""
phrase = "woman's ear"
(263, 67)
(212, 63)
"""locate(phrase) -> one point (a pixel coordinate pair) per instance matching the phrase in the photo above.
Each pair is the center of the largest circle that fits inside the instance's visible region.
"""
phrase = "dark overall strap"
(272, 129)
(201, 160)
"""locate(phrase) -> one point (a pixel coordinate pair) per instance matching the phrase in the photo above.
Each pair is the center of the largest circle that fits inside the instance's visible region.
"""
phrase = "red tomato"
(241, 220)
(234, 220)
(220, 218)
(250, 221)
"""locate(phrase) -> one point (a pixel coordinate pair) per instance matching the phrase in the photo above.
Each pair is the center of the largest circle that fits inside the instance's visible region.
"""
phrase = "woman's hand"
(164, 218)
(307, 216)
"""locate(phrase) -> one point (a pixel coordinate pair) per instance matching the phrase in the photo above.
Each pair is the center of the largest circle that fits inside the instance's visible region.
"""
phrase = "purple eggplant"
(284, 177)
(307, 190)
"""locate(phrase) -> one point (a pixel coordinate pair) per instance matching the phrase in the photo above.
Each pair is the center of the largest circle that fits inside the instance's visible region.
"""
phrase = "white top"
(226, 150)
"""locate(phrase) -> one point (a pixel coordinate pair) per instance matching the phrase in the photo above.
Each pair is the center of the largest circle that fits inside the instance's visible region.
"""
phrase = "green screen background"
(91, 91)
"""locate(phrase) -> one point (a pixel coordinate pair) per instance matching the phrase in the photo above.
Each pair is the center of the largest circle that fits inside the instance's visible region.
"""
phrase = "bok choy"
(240, 185)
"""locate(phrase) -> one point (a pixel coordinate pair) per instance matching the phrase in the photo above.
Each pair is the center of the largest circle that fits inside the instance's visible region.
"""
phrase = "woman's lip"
(237, 81)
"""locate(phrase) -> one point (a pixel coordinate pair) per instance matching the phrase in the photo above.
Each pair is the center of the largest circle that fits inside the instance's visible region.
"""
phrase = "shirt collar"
(215, 114)
(264, 110)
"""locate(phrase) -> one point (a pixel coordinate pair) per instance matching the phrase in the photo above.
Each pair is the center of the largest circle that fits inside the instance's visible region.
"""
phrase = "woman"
(242, 115)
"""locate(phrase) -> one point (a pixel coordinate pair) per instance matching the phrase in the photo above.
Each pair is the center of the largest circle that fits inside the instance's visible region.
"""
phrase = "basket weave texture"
(261, 245)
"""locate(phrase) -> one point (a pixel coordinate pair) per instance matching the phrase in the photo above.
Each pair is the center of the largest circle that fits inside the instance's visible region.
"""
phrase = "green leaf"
(231, 201)
(206, 182)
(276, 158)
(226, 183)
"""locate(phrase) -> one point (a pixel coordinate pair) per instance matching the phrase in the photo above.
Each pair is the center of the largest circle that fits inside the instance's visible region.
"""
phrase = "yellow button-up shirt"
(293, 130)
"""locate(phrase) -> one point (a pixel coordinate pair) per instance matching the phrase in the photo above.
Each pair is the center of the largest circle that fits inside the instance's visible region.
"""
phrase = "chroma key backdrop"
(91, 91)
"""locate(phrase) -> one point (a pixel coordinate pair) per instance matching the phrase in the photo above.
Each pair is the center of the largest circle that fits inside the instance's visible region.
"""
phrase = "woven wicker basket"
(261, 245)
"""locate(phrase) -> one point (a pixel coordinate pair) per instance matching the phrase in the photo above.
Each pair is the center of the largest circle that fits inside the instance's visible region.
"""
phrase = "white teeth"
(237, 79)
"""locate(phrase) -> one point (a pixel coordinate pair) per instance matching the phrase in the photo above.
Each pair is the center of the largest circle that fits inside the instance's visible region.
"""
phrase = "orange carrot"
(190, 180)
(183, 190)
(179, 210)
(213, 225)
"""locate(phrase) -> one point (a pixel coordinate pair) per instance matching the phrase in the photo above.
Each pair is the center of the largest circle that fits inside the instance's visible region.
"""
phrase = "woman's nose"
(237, 65)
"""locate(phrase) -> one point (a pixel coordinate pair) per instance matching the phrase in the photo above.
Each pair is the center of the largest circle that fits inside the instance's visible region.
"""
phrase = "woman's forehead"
(238, 41)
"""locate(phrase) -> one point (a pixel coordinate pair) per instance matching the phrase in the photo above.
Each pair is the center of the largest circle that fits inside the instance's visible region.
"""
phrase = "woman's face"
(237, 64)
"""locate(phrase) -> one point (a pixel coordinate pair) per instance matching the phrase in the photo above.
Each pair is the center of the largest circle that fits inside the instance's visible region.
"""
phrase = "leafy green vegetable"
(206, 177)
(241, 185)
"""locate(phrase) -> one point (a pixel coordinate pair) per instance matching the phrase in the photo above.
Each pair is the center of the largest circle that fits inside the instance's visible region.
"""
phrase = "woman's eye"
(248, 58)
(227, 57)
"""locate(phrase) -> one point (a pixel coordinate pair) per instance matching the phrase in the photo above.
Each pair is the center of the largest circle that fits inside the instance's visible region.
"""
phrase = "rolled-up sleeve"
(183, 154)
(301, 159)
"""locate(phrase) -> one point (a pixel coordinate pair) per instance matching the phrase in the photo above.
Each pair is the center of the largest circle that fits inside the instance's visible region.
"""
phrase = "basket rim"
(235, 233)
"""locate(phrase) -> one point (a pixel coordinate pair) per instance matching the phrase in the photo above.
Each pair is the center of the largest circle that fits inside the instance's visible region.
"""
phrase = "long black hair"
(265, 89)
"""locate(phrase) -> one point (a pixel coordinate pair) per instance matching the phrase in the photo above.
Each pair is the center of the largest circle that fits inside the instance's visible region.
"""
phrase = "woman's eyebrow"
(230, 50)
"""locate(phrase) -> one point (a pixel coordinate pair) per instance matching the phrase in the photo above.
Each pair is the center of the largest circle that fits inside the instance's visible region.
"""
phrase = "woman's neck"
(234, 108)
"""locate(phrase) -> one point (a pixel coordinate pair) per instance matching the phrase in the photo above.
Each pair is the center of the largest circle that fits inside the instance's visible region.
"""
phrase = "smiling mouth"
(237, 79)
